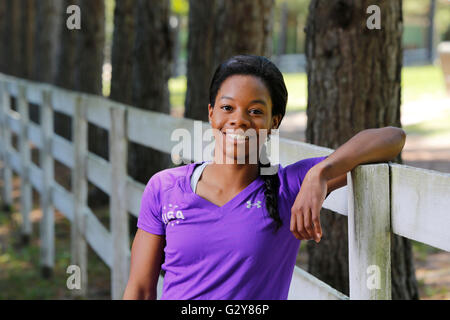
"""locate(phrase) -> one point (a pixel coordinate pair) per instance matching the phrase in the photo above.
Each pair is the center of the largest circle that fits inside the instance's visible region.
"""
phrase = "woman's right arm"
(146, 259)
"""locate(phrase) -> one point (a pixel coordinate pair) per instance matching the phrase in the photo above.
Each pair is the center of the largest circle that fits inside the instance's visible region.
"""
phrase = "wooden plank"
(34, 134)
(13, 121)
(420, 205)
(99, 172)
(64, 101)
(134, 196)
(63, 200)
(14, 160)
(98, 110)
(5, 136)
(47, 225)
(118, 202)
(36, 177)
(98, 237)
(34, 94)
(369, 232)
(62, 150)
(79, 189)
(305, 286)
(25, 157)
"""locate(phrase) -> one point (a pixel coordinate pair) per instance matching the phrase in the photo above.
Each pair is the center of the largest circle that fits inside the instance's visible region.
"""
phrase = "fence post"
(5, 101)
(118, 202)
(369, 232)
(47, 225)
(24, 147)
(79, 189)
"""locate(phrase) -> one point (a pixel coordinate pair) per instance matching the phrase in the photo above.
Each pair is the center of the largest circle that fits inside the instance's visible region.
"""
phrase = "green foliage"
(180, 7)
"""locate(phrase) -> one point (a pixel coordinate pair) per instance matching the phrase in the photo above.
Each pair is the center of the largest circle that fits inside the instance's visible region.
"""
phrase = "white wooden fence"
(379, 198)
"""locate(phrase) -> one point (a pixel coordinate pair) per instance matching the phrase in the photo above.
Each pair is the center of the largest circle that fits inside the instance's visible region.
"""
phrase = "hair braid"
(272, 184)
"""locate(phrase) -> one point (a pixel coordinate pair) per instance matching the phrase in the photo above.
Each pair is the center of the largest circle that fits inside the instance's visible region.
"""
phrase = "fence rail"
(415, 200)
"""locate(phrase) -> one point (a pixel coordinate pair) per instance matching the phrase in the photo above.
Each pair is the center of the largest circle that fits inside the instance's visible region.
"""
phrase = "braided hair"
(265, 70)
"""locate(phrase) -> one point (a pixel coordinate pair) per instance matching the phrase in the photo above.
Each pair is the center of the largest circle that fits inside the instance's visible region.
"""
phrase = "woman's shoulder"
(169, 177)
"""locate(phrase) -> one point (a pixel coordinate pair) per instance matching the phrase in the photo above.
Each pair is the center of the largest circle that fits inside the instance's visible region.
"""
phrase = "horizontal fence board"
(99, 172)
(13, 88)
(97, 110)
(36, 177)
(98, 237)
(34, 94)
(304, 286)
(14, 160)
(63, 200)
(35, 134)
(64, 101)
(155, 130)
(62, 151)
(134, 196)
(13, 120)
(420, 205)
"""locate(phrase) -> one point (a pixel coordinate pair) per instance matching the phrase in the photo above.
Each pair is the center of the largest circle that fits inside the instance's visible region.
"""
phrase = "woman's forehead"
(245, 87)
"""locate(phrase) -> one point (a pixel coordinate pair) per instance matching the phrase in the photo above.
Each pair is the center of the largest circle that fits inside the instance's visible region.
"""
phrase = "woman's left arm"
(367, 146)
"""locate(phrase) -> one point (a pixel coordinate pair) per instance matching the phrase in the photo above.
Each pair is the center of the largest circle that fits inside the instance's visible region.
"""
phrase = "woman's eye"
(256, 111)
(227, 108)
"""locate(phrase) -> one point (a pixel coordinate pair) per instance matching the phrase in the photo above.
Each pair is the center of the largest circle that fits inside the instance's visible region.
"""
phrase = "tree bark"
(11, 40)
(122, 52)
(46, 36)
(27, 38)
(218, 30)
(89, 64)
(354, 77)
(151, 71)
(65, 71)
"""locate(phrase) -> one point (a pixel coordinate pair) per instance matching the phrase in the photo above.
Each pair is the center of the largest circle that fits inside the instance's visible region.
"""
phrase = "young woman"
(224, 230)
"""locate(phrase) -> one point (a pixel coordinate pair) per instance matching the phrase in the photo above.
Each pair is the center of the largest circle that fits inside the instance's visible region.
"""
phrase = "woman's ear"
(276, 120)
(210, 112)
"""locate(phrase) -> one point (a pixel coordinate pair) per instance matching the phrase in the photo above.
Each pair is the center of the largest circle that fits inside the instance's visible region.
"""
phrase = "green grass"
(421, 82)
(20, 271)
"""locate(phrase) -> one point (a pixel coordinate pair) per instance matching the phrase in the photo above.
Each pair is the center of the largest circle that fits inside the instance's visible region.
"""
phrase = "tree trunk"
(282, 38)
(46, 36)
(218, 30)
(354, 77)
(151, 71)
(65, 71)
(65, 67)
(122, 52)
(3, 33)
(89, 64)
(11, 45)
(27, 38)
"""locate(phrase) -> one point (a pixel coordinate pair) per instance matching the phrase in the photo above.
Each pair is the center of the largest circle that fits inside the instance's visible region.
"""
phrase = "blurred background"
(160, 55)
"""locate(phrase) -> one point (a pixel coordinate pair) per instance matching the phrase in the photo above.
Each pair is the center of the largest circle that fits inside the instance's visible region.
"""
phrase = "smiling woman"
(225, 230)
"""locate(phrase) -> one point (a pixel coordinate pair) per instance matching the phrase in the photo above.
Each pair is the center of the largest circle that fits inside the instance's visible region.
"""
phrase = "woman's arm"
(368, 146)
(145, 265)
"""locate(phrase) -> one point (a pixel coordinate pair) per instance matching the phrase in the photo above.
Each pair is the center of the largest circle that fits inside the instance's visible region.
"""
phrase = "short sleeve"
(150, 214)
(296, 172)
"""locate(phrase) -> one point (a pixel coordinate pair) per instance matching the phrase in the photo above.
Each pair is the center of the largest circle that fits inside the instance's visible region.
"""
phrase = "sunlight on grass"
(436, 126)
(422, 82)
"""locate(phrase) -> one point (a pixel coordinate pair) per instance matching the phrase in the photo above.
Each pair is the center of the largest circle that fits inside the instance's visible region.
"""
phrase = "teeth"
(236, 136)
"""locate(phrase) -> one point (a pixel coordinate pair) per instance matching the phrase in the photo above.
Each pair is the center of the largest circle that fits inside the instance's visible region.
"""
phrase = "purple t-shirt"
(228, 252)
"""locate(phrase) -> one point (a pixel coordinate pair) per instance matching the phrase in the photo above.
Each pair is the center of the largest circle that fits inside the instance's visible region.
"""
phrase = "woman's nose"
(240, 119)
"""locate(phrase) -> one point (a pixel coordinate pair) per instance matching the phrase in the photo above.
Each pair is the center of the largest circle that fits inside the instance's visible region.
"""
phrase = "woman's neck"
(233, 176)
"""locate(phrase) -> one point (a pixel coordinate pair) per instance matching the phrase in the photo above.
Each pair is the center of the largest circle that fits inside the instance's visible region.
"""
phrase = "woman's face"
(242, 118)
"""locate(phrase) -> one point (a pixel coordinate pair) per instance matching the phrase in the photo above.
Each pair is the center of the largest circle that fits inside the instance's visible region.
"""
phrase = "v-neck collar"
(231, 203)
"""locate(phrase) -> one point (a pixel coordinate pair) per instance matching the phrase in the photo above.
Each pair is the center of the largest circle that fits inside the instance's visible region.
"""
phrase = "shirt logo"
(172, 214)
(256, 204)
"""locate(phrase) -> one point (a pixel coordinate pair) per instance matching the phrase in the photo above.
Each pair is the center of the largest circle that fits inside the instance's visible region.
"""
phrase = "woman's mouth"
(236, 137)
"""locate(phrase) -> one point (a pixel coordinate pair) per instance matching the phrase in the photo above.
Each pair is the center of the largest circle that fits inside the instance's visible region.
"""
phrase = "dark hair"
(265, 70)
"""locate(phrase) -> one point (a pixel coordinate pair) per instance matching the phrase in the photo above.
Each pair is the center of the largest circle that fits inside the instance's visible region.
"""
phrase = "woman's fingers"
(307, 225)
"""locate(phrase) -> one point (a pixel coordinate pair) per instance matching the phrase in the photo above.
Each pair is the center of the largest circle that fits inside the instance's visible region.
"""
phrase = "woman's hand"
(305, 213)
